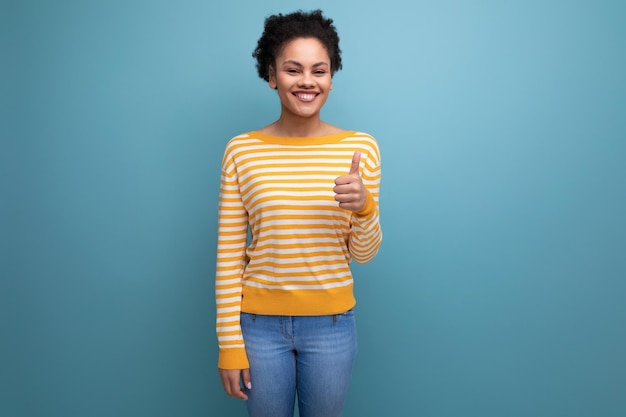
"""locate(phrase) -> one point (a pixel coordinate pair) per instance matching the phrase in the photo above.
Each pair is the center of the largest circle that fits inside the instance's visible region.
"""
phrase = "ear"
(272, 81)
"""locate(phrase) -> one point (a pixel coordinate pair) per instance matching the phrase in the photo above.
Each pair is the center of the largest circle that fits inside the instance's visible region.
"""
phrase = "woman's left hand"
(349, 189)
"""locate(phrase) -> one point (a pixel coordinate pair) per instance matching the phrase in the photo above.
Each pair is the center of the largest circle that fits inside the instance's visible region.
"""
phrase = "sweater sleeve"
(231, 259)
(365, 231)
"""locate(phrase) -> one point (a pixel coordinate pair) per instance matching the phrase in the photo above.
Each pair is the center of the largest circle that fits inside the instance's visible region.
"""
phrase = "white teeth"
(306, 97)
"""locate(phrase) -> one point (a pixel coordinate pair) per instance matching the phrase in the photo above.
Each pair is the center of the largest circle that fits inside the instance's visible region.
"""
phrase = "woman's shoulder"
(240, 142)
(359, 135)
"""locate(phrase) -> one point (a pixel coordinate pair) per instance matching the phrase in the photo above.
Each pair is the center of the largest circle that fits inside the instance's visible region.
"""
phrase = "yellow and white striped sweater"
(297, 260)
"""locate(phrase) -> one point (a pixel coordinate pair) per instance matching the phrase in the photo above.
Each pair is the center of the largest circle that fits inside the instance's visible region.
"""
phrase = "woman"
(308, 193)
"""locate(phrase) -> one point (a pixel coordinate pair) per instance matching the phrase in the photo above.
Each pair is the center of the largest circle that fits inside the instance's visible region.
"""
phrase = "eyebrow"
(296, 63)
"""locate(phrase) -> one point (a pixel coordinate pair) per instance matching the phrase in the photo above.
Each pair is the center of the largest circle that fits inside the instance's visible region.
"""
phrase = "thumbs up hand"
(349, 189)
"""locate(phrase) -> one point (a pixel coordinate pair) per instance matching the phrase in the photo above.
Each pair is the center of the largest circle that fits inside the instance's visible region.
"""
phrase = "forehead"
(303, 49)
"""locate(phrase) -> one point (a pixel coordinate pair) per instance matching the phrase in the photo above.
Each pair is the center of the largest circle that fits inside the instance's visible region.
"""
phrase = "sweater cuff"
(369, 207)
(233, 358)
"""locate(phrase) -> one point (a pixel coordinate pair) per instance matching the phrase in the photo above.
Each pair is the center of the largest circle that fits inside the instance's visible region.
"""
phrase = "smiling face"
(302, 76)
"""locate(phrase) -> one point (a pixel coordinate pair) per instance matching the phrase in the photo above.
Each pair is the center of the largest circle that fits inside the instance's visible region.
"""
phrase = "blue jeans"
(311, 356)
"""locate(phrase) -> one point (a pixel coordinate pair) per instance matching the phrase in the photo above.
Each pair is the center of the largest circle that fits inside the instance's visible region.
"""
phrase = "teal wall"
(499, 290)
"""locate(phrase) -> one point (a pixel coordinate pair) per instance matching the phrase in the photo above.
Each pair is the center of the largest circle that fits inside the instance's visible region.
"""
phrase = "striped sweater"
(284, 245)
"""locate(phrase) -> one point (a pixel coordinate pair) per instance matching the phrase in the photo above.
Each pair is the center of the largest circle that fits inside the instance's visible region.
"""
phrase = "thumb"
(356, 160)
(245, 373)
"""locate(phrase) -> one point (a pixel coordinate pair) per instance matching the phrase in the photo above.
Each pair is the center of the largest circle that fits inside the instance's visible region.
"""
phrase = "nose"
(307, 80)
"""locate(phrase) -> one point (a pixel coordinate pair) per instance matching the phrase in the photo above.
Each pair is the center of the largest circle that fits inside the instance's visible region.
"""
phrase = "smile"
(307, 97)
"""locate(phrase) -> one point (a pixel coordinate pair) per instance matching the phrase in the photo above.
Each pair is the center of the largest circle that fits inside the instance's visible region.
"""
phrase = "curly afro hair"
(281, 29)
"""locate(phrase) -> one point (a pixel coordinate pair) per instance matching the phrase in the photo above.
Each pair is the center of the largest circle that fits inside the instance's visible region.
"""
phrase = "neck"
(299, 126)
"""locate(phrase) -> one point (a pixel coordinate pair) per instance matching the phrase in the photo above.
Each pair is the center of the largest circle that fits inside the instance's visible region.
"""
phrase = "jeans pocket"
(247, 318)
(346, 317)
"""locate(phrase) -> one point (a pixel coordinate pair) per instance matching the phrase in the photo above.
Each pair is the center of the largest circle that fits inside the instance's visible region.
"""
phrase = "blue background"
(500, 288)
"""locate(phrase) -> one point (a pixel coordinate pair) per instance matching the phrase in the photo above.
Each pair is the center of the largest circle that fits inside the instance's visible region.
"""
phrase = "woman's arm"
(231, 252)
(358, 191)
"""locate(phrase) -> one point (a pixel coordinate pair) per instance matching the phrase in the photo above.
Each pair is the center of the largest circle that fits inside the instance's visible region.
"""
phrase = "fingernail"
(249, 385)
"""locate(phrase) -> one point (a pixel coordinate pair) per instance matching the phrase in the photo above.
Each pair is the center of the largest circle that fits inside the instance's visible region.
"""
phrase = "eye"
(320, 72)
(291, 71)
